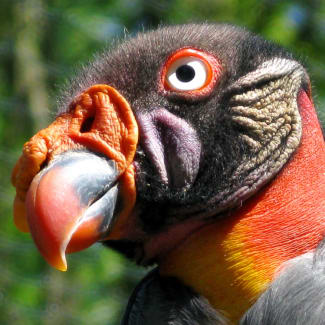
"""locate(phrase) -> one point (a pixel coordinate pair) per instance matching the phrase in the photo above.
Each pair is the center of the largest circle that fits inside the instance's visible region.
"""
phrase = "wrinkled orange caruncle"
(101, 120)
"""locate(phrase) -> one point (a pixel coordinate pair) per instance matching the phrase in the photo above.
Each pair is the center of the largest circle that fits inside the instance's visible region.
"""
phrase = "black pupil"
(185, 73)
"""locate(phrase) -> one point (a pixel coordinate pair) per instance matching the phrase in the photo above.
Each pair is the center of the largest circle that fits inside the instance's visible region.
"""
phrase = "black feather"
(163, 300)
(296, 297)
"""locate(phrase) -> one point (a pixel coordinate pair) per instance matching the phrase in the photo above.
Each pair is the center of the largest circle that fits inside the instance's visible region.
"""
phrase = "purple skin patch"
(172, 145)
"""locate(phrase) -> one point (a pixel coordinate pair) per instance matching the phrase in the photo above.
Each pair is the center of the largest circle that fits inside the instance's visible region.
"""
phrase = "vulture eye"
(187, 74)
(190, 71)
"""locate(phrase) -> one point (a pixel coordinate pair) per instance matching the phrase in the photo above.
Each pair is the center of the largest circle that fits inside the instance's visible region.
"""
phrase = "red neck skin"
(288, 215)
(291, 207)
(231, 261)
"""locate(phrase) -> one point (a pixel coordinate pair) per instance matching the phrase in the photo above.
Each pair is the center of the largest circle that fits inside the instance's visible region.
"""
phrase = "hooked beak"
(87, 152)
(70, 204)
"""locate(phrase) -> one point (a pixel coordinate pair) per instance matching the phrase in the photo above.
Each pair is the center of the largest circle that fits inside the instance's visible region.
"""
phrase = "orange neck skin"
(232, 261)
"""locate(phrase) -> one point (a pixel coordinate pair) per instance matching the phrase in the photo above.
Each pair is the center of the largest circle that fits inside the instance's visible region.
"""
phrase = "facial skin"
(201, 151)
(134, 68)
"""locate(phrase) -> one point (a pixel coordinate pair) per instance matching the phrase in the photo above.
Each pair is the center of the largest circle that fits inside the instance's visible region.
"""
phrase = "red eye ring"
(211, 64)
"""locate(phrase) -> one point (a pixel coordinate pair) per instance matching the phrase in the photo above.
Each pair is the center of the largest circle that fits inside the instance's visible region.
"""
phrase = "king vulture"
(195, 148)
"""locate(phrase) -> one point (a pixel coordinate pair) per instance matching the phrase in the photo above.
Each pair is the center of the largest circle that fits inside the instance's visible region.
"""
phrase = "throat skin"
(232, 261)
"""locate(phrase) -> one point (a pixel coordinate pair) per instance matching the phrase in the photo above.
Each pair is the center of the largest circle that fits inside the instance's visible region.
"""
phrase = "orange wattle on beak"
(66, 194)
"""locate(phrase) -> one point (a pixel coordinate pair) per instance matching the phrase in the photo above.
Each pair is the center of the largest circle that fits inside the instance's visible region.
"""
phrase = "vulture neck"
(231, 261)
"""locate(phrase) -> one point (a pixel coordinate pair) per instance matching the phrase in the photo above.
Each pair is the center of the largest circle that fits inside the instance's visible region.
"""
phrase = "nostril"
(87, 124)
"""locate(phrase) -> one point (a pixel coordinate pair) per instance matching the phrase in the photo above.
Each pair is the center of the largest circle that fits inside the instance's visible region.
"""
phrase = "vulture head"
(193, 147)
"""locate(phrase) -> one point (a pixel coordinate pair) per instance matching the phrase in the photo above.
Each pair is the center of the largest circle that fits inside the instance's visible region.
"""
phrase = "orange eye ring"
(209, 67)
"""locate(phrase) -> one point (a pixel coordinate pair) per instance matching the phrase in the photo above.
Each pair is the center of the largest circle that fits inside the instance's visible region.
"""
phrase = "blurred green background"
(43, 42)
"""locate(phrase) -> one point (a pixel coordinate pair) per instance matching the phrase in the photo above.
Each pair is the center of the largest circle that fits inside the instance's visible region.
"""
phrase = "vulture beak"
(70, 216)
(71, 174)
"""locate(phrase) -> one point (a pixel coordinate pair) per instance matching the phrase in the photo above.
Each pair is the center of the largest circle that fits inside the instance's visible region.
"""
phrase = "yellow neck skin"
(231, 261)
(211, 263)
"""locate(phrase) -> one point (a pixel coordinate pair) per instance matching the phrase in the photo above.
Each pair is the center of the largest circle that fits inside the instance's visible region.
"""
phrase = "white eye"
(188, 73)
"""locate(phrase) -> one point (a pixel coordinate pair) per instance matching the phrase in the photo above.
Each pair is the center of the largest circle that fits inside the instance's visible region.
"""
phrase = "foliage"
(41, 44)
